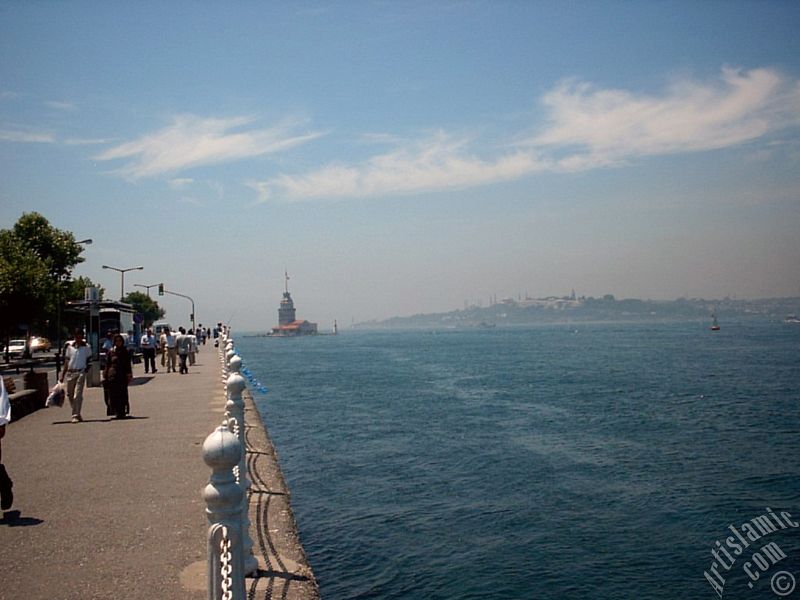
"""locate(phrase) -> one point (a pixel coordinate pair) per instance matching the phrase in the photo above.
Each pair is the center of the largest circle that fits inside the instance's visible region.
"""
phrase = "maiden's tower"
(288, 324)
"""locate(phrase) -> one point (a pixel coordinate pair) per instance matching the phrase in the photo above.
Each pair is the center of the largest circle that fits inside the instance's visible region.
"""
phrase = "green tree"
(146, 305)
(56, 248)
(36, 260)
(24, 283)
(75, 289)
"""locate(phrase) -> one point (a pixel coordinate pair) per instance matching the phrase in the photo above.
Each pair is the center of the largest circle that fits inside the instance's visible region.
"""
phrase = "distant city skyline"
(403, 158)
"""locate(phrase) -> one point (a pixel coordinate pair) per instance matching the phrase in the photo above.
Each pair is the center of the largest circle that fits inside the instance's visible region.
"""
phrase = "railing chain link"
(226, 568)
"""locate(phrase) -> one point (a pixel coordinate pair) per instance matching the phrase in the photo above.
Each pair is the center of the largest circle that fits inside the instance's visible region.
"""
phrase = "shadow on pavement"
(84, 421)
(108, 420)
(13, 518)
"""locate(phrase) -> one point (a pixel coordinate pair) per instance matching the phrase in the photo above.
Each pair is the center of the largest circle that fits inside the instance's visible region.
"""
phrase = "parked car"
(40, 344)
(16, 347)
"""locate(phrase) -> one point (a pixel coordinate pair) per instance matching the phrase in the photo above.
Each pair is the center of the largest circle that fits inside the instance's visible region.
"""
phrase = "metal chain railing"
(230, 548)
(223, 496)
(234, 411)
(226, 566)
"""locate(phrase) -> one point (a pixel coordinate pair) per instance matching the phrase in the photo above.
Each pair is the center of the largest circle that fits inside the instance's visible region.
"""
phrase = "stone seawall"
(284, 571)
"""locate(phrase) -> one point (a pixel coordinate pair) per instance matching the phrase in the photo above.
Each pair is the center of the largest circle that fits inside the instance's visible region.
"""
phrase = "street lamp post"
(146, 286)
(122, 277)
(60, 288)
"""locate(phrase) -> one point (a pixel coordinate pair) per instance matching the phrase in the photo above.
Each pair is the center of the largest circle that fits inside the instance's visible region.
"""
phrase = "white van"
(160, 326)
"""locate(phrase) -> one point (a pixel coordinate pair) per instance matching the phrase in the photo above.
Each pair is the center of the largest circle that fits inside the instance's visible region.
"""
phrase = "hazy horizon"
(405, 158)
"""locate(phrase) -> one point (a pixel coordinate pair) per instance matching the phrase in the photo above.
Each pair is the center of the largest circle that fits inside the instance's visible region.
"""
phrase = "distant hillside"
(607, 308)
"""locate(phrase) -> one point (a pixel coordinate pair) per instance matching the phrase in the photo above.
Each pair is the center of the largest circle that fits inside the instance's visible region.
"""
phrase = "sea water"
(592, 461)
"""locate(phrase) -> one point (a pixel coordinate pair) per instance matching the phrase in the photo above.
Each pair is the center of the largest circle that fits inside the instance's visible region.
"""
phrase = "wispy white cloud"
(192, 141)
(87, 141)
(594, 127)
(381, 138)
(437, 163)
(190, 200)
(180, 182)
(209, 190)
(25, 136)
(585, 128)
(61, 105)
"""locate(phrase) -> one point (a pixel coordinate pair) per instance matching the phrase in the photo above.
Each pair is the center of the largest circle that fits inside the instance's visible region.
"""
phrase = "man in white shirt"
(172, 351)
(77, 355)
(192, 346)
(148, 344)
(162, 345)
(183, 344)
(108, 342)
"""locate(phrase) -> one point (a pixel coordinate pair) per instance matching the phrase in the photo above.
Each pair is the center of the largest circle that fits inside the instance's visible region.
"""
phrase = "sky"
(408, 157)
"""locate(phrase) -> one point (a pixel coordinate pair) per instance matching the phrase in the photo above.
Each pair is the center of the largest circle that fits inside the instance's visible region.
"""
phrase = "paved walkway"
(113, 509)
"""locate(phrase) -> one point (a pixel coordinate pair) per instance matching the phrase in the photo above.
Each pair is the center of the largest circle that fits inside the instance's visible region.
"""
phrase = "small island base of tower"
(288, 323)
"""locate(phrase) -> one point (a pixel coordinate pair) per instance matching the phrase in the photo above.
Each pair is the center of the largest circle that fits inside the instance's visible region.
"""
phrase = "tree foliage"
(75, 289)
(146, 305)
(36, 261)
(57, 249)
(24, 283)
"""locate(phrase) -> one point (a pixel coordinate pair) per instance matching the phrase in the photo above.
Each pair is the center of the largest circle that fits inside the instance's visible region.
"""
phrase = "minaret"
(286, 312)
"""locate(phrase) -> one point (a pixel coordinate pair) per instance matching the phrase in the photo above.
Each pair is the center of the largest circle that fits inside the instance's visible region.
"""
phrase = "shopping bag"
(56, 397)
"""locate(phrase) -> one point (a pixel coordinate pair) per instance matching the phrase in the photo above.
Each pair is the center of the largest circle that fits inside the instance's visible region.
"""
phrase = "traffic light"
(160, 289)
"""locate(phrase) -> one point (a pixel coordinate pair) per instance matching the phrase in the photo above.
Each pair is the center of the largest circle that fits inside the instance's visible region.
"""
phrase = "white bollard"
(229, 354)
(223, 496)
(235, 410)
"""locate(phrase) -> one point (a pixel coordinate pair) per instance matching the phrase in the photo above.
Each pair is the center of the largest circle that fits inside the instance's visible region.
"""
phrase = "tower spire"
(286, 275)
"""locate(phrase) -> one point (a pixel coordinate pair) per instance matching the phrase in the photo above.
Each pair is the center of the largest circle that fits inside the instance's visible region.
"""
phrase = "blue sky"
(404, 157)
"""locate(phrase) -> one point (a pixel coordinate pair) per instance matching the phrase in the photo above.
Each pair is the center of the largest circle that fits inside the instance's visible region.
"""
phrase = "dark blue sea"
(597, 461)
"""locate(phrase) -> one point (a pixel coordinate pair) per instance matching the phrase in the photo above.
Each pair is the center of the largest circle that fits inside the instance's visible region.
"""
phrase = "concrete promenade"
(113, 509)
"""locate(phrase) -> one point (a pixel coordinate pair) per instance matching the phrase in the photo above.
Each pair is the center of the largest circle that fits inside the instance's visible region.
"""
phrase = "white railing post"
(223, 496)
(235, 410)
(227, 350)
(223, 358)
(229, 354)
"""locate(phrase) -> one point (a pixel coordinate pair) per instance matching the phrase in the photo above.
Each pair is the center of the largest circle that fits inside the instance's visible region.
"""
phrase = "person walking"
(170, 341)
(77, 355)
(148, 345)
(162, 345)
(192, 347)
(184, 344)
(6, 493)
(117, 376)
(108, 343)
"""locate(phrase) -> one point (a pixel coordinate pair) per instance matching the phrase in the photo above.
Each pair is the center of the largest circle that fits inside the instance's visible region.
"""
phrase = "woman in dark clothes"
(118, 375)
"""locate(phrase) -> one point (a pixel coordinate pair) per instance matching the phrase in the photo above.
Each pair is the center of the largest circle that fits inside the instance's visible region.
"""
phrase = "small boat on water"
(714, 323)
(792, 319)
